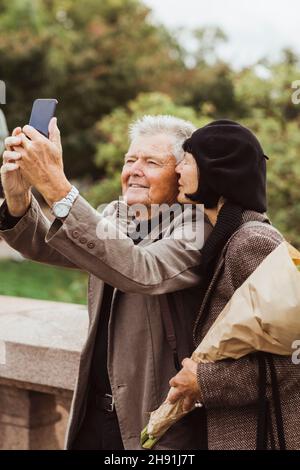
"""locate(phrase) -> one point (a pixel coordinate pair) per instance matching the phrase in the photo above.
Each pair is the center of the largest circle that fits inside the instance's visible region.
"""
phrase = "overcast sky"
(255, 28)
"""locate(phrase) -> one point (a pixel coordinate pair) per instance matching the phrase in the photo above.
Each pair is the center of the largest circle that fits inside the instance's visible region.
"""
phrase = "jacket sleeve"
(234, 383)
(164, 266)
(27, 235)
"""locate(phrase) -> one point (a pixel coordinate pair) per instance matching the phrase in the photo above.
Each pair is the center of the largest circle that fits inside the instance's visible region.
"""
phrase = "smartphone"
(42, 112)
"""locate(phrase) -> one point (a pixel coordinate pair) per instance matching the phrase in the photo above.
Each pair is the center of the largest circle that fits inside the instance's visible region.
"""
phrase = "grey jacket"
(140, 361)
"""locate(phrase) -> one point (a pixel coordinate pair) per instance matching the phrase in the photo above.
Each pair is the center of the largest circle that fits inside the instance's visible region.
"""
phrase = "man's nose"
(137, 169)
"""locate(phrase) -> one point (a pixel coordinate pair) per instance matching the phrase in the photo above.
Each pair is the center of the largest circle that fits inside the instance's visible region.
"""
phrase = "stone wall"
(40, 344)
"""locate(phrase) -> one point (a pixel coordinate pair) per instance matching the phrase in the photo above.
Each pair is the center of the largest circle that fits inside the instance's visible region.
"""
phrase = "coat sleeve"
(164, 266)
(234, 383)
(27, 235)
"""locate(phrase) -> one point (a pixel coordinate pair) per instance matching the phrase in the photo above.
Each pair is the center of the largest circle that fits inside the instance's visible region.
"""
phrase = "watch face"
(61, 210)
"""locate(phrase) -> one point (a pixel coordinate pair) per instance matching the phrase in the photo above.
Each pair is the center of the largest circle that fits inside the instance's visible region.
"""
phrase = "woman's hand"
(185, 385)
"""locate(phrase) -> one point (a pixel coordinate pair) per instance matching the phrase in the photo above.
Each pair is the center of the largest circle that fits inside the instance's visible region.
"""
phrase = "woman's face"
(188, 177)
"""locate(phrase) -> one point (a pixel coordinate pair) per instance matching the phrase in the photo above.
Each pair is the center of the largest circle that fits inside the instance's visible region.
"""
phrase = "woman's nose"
(178, 168)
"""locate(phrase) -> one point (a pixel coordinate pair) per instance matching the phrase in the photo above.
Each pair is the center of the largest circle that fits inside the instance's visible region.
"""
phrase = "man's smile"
(137, 186)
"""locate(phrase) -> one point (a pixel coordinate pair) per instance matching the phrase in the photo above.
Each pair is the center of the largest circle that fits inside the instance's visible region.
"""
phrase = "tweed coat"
(229, 388)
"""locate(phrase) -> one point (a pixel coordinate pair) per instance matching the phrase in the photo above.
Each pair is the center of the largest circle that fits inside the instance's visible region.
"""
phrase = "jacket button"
(82, 240)
(75, 234)
(91, 245)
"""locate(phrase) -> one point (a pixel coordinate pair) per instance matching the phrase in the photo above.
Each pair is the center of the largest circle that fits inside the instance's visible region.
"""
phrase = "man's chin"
(136, 197)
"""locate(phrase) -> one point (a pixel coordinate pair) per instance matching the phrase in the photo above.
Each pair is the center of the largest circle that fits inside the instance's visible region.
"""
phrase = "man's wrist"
(56, 194)
(18, 205)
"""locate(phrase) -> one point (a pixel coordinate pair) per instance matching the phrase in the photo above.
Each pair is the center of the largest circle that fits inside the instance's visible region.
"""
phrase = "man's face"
(148, 175)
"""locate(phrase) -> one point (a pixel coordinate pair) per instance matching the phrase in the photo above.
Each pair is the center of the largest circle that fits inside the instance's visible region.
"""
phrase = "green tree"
(93, 56)
(206, 83)
(268, 87)
(283, 172)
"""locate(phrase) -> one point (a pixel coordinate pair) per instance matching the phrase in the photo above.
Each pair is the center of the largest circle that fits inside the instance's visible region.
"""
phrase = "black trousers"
(99, 430)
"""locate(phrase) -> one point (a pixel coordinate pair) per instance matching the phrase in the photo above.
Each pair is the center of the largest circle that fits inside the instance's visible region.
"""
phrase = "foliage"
(92, 56)
(108, 63)
(42, 282)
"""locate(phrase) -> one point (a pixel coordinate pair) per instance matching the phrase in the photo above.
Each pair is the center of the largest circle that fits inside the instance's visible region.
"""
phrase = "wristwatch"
(62, 208)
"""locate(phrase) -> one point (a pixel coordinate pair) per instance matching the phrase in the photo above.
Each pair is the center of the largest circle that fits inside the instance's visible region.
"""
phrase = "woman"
(224, 168)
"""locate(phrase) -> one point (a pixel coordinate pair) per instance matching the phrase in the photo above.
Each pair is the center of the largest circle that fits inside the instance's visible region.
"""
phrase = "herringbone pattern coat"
(229, 387)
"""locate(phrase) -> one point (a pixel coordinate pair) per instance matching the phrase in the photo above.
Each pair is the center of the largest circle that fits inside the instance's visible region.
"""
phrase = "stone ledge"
(41, 341)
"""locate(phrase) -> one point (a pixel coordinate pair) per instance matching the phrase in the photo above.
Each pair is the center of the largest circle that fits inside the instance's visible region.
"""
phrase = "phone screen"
(42, 112)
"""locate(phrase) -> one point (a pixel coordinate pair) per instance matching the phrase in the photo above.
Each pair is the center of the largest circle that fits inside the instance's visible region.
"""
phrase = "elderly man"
(128, 357)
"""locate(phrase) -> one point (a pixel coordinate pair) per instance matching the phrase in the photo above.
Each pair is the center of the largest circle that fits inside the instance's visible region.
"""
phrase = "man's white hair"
(175, 127)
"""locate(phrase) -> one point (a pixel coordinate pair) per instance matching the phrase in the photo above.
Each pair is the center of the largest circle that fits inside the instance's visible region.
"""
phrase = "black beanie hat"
(232, 164)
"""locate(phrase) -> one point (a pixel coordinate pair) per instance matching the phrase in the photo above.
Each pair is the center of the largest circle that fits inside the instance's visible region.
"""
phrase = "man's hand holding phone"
(15, 186)
(42, 164)
(32, 159)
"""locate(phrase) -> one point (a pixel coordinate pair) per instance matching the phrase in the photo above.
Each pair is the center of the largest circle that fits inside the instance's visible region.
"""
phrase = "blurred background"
(110, 61)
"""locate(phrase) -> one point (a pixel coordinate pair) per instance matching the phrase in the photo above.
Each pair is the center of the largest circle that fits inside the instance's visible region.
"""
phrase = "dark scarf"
(228, 221)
